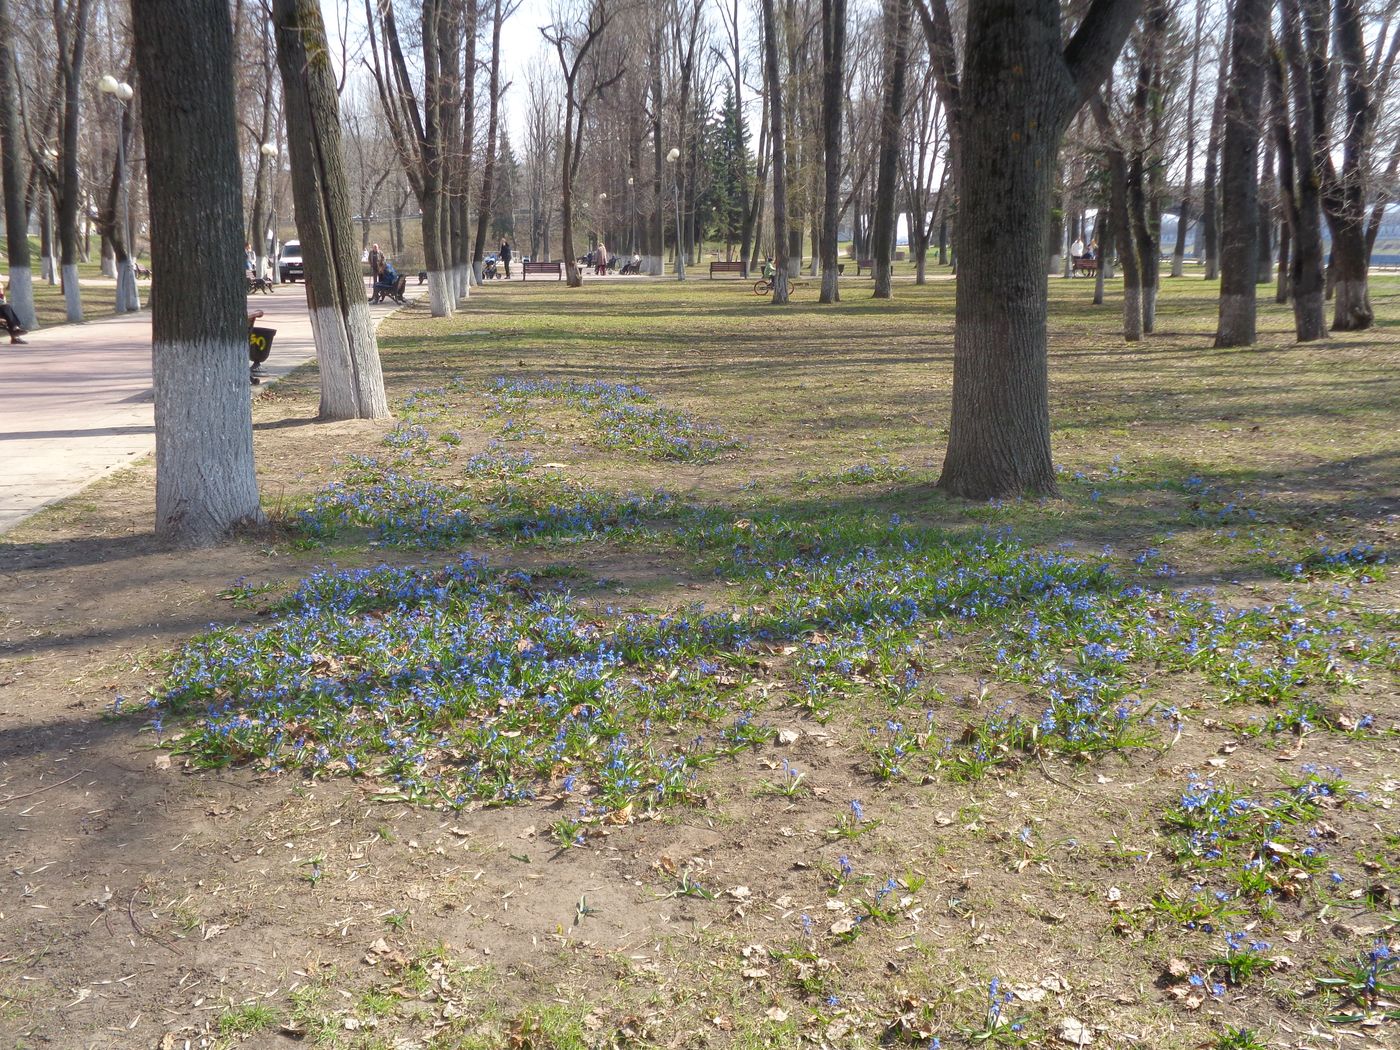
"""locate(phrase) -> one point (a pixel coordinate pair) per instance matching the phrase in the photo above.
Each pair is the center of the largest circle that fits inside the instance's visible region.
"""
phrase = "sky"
(520, 43)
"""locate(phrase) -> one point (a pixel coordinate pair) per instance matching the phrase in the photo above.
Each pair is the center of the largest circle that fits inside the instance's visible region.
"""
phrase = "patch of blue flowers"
(624, 417)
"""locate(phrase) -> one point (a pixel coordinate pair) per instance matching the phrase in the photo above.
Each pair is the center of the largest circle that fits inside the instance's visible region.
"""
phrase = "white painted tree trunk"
(49, 270)
(439, 293)
(1149, 308)
(109, 262)
(203, 418)
(128, 298)
(652, 265)
(22, 295)
(72, 294)
(263, 270)
(476, 271)
(352, 384)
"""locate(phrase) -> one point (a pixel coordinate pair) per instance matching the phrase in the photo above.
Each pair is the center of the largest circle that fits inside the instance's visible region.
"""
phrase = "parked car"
(289, 266)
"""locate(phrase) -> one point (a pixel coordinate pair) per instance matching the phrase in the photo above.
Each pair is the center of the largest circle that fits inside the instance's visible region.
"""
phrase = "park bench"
(741, 268)
(1088, 267)
(554, 269)
(867, 265)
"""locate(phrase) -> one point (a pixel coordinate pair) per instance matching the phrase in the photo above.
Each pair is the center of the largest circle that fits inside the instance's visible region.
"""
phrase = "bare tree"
(205, 481)
(352, 383)
(574, 36)
(12, 173)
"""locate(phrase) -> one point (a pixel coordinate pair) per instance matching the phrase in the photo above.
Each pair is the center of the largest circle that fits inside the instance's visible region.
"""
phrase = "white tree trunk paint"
(1149, 309)
(50, 269)
(439, 294)
(652, 265)
(262, 270)
(109, 265)
(476, 272)
(72, 294)
(203, 415)
(352, 384)
(22, 295)
(128, 298)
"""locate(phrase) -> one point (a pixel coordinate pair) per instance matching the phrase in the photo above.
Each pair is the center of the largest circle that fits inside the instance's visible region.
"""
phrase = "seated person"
(11, 320)
(387, 283)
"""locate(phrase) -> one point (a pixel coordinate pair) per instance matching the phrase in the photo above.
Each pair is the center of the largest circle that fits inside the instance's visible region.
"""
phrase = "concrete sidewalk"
(76, 403)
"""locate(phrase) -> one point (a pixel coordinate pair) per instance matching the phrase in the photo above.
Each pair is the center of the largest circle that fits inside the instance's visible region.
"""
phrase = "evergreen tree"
(728, 159)
(507, 175)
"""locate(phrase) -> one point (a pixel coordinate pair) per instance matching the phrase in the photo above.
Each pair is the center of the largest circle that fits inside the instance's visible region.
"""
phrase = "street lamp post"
(269, 152)
(128, 300)
(672, 158)
(50, 270)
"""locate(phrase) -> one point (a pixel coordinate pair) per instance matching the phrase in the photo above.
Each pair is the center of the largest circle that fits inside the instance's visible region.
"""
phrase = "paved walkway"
(76, 403)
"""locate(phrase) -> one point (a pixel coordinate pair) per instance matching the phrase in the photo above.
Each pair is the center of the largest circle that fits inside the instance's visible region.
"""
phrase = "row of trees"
(1017, 125)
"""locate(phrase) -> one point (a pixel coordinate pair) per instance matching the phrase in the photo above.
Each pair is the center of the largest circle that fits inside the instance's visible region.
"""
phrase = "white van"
(289, 266)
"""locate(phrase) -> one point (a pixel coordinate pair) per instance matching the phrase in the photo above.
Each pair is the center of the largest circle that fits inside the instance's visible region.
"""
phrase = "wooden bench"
(741, 268)
(1088, 267)
(865, 264)
(553, 269)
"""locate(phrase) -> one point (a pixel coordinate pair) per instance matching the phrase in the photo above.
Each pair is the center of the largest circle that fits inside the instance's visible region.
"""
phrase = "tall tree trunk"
(1239, 178)
(12, 174)
(257, 222)
(72, 45)
(488, 165)
(897, 26)
(352, 383)
(1305, 45)
(1183, 222)
(1281, 286)
(205, 482)
(1008, 139)
(1120, 193)
(1345, 192)
(833, 95)
(779, 147)
(1210, 209)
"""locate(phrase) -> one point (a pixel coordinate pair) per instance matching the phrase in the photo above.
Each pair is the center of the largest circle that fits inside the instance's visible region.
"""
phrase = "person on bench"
(11, 321)
(389, 283)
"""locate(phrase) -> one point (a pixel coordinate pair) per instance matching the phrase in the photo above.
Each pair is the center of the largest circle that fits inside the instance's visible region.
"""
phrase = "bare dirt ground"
(148, 902)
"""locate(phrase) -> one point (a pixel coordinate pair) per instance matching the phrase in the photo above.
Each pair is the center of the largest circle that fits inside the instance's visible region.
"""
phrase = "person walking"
(505, 257)
(376, 263)
(602, 260)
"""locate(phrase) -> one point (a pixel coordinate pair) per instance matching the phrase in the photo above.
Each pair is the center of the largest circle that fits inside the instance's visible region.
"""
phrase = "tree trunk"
(352, 383)
(1210, 211)
(1305, 44)
(1119, 177)
(70, 184)
(488, 165)
(1008, 139)
(1239, 177)
(1281, 290)
(205, 481)
(779, 162)
(1183, 221)
(1345, 192)
(833, 95)
(897, 26)
(12, 174)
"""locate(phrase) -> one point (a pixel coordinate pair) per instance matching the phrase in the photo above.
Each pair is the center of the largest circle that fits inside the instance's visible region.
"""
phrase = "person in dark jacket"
(11, 320)
(505, 257)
